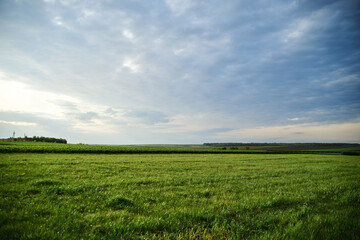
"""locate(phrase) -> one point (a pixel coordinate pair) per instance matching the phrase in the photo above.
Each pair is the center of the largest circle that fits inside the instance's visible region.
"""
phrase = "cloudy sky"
(180, 71)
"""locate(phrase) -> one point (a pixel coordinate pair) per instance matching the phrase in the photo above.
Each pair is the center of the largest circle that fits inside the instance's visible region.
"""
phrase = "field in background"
(179, 196)
(38, 147)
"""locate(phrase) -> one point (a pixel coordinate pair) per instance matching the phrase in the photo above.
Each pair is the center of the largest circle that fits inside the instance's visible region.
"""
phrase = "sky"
(180, 71)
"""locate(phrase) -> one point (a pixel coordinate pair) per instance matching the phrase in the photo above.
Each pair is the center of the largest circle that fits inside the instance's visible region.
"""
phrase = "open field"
(335, 147)
(38, 147)
(179, 196)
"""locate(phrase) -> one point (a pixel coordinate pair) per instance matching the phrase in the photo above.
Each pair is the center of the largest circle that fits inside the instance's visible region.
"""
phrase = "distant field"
(315, 148)
(38, 147)
(179, 196)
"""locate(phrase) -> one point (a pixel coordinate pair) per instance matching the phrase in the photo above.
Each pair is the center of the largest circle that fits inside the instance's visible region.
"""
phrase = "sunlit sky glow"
(180, 71)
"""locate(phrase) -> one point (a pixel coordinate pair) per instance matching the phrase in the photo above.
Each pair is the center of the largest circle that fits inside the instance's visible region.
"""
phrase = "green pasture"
(179, 196)
(39, 147)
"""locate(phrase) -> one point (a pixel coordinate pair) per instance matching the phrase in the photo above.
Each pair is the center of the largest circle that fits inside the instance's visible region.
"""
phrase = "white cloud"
(96, 126)
(15, 123)
(301, 29)
(179, 7)
(184, 123)
(129, 63)
(86, 14)
(340, 132)
(129, 35)
(353, 78)
(59, 21)
(307, 27)
(17, 96)
(179, 51)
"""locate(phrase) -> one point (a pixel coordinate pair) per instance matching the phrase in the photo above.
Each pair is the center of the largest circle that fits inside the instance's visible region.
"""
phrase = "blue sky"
(180, 71)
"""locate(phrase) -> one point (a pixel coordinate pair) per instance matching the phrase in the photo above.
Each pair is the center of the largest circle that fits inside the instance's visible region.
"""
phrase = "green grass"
(350, 149)
(37, 147)
(179, 196)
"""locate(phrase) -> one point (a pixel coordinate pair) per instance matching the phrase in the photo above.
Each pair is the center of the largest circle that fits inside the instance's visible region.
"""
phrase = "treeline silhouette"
(37, 139)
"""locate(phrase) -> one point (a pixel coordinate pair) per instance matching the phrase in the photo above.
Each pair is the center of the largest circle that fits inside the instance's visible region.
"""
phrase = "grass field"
(179, 196)
(38, 147)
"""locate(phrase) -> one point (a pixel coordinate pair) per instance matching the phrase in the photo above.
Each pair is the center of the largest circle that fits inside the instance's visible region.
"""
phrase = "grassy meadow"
(179, 196)
(44, 147)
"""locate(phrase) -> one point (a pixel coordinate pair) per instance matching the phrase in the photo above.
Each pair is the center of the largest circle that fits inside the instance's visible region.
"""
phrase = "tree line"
(37, 139)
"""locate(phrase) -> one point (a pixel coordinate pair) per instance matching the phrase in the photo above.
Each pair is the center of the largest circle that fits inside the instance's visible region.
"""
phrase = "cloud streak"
(343, 132)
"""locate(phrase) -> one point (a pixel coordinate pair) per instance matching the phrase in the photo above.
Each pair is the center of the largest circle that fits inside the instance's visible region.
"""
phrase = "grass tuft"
(46, 182)
(33, 192)
(119, 202)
